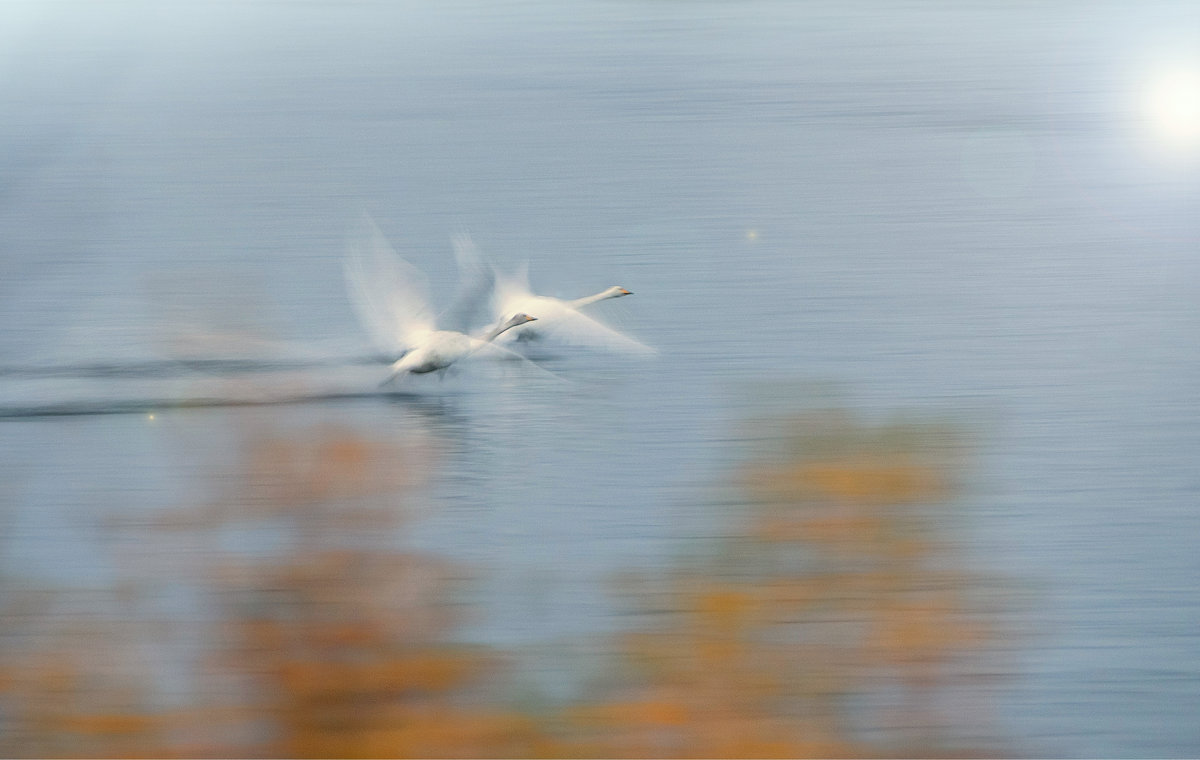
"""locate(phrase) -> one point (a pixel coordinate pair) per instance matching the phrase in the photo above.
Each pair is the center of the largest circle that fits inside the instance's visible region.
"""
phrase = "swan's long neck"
(496, 332)
(579, 303)
(491, 335)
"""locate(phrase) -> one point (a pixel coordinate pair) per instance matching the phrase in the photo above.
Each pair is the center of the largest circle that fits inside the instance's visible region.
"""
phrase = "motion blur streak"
(831, 619)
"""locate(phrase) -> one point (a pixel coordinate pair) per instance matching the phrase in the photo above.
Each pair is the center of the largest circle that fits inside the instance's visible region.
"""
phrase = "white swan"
(557, 317)
(390, 297)
(441, 348)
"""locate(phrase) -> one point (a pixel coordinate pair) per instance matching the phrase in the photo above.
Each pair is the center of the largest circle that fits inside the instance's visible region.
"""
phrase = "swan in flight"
(558, 318)
(390, 297)
(441, 348)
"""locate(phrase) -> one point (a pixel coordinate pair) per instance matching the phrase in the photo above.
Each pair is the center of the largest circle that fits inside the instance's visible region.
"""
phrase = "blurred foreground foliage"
(832, 620)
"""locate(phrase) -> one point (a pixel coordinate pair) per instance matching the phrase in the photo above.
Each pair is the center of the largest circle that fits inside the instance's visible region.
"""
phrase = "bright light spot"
(752, 235)
(1171, 105)
(150, 417)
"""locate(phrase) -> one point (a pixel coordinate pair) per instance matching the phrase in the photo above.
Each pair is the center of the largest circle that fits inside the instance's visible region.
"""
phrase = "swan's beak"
(625, 292)
(530, 319)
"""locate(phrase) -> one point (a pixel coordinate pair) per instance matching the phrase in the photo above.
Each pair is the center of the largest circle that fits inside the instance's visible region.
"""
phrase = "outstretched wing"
(511, 293)
(569, 326)
(493, 351)
(475, 279)
(390, 295)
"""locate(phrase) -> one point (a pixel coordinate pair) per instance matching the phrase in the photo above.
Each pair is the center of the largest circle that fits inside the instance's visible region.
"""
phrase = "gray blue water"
(958, 211)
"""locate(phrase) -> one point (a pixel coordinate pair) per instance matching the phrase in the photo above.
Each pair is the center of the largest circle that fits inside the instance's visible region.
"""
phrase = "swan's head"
(616, 292)
(518, 319)
(511, 322)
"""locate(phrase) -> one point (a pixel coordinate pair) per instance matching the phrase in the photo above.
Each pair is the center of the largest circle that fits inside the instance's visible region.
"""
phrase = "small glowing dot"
(150, 417)
(752, 234)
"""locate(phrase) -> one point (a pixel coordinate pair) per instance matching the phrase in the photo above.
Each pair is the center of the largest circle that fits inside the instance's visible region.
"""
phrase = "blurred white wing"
(475, 279)
(511, 293)
(570, 326)
(390, 295)
(492, 351)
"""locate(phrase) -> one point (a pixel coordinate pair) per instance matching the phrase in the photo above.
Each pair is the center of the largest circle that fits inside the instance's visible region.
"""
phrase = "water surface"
(946, 212)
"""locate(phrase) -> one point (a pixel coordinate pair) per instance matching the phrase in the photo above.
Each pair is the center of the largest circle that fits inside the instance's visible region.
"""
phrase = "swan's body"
(560, 318)
(389, 295)
(563, 321)
(559, 313)
(441, 348)
(439, 351)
